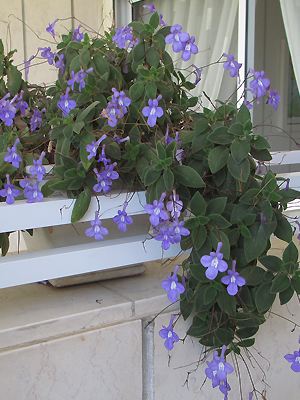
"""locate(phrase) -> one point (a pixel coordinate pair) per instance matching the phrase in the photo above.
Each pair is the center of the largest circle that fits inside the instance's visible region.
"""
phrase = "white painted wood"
(285, 157)
(58, 211)
(72, 260)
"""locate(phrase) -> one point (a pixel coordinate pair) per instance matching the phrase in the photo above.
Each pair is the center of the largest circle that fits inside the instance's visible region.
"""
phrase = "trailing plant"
(121, 116)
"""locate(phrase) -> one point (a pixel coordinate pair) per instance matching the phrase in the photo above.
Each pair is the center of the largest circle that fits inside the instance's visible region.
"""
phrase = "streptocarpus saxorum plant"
(121, 115)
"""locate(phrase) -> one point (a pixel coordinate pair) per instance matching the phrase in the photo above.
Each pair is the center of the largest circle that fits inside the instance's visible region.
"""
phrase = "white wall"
(23, 23)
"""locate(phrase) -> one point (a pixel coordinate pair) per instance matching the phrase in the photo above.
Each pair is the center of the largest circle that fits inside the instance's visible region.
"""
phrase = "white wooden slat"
(73, 260)
(11, 28)
(285, 157)
(58, 211)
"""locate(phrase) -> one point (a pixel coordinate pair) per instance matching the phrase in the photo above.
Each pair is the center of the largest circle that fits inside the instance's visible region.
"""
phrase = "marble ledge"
(35, 313)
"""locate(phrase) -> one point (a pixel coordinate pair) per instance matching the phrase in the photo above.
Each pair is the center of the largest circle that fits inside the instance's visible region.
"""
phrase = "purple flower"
(93, 147)
(103, 183)
(260, 84)
(162, 22)
(248, 104)
(109, 171)
(35, 120)
(31, 190)
(214, 263)
(79, 77)
(233, 280)
(179, 230)
(38, 170)
(60, 63)
(102, 158)
(153, 111)
(189, 48)
(287, 185)
(7, 110)
(169, 335)
(198, 74)
(9, 191)
(27, 66)
(164, 234)
(21, 105)
(171, 285)
(150, 7)
(122, 219)
(47, 54)
(50, 28)
(174, 205)
(123, 38)
(231, 65)
(177, 38)
(12, 156)
(156, 211)
(274, 99)
(119, 140)
(96, 230)
(65, 104)
(294, 359)
(218, 369)
(77, 35)
(122, 100)
(116, 107)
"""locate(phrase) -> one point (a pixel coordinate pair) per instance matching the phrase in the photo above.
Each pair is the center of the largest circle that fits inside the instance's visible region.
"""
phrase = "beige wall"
(23, 23)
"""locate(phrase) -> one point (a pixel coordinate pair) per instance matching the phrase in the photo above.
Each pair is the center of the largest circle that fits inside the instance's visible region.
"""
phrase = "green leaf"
(245, 333)
(217, 158)
(296, 283)
(153, 57)
(226, 303)
(239, 149)
(280, 283)
(283, 229)
(264, 298)
(198, 272)
(198, 204)
(113, 150)
(216, 205)
(220, 135)
(151, 90)
(138, 52)
(81, 205)
(219, 221)
(254, 275)
(286, 295)
(246, 342)
(272, 263)
(154, 20)
(199, 235)
(290, 253)
(239, 171)
(168, 177)
(136, 91)
(243, 115)
(187, 176)
(220, 236)
(223, 336)
(101, 66)
(151, 176)
(236, 129)
(84, 113)
(210, 293)
(14, 79)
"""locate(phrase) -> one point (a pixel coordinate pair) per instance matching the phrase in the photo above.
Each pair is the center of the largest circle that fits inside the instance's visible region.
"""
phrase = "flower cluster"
(124, 38)
(165, 220)
(181, 42)
(214, 264)
(116, 108)
(217, 371)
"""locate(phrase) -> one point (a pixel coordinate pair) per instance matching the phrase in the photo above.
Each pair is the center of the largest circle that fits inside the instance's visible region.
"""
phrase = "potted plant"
(121, 116)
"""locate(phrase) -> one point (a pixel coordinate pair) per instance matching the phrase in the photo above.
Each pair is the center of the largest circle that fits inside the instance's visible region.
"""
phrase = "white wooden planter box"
(67, 256)
(68, 252)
